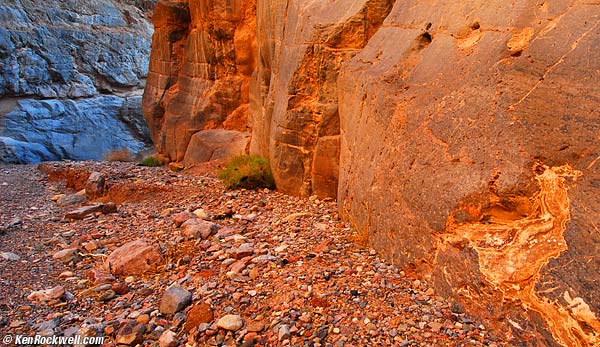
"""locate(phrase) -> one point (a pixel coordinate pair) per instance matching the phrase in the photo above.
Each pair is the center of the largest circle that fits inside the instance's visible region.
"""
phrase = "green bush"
(247, 171)
(151, 161)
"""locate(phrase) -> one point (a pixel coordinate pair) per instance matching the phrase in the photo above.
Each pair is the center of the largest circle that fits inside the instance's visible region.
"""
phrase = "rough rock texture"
(200, 69)
(195, 228)
(294, 109)
(175, 299)
(71, 73)
(466, 135)
(469, 153)
(135, 257)
(217, 144)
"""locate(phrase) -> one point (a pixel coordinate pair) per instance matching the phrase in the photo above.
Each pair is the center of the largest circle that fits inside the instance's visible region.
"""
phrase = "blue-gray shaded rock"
(71, 199)
(71, 78)
(40, 130)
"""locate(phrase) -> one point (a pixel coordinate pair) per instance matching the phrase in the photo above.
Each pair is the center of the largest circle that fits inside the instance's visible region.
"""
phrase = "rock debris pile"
(180, 261)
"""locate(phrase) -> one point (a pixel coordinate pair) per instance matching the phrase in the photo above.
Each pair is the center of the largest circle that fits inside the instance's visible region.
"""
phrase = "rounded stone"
(231, 322)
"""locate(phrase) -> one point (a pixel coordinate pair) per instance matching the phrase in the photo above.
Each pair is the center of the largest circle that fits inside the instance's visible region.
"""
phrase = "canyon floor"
(273, 270)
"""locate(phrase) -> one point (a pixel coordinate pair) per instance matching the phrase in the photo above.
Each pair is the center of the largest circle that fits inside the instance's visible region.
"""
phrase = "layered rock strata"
(295, 118)
(71, 78)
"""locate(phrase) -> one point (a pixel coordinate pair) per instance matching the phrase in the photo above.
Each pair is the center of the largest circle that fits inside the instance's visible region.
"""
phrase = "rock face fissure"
(72, 77)
(424, 120)
(213, 65)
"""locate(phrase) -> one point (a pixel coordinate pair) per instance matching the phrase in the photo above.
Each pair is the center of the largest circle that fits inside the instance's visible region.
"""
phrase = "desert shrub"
(122, 154)
(247, 171)
(151, 161)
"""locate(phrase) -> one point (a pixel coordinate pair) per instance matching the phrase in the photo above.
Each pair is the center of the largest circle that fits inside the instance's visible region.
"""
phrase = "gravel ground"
(273, 270)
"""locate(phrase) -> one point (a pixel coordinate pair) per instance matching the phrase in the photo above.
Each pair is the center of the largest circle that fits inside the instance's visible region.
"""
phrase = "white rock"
(231, 322)
(66, 255)
(200, 213)
(281, 248)
(47, 294)
(9, 256)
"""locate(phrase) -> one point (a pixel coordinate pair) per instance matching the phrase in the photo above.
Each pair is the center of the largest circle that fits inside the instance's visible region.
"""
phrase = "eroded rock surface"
(440, 133)
(200, 68)
(135, 257)
(71, 78)
(295, 118)
(457, 137)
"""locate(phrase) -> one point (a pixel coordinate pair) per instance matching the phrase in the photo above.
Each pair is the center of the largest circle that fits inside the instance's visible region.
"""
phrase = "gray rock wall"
(71, 77)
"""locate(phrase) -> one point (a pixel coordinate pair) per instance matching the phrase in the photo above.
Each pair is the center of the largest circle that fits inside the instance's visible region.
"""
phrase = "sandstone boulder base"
(65, 87)
(217, 144)
(134, 258)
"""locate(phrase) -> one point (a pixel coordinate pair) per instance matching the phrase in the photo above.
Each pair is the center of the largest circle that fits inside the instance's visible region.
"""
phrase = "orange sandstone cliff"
(461, 138)
(203, 57)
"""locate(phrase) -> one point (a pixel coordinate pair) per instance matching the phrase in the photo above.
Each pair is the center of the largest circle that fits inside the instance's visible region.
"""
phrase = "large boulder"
(72, 72)
(217, 144)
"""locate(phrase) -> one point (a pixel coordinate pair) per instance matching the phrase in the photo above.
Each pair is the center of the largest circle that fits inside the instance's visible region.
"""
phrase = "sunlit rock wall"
(460, 138)
(469, 154)
(295, 119)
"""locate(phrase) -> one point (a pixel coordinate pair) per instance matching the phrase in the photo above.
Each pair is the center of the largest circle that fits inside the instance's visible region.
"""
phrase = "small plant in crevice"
(151, 161)
(247, 171)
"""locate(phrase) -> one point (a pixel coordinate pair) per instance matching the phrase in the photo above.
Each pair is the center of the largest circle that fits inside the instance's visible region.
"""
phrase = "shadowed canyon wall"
(461, 138)
(72, 74)
(202, 61)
